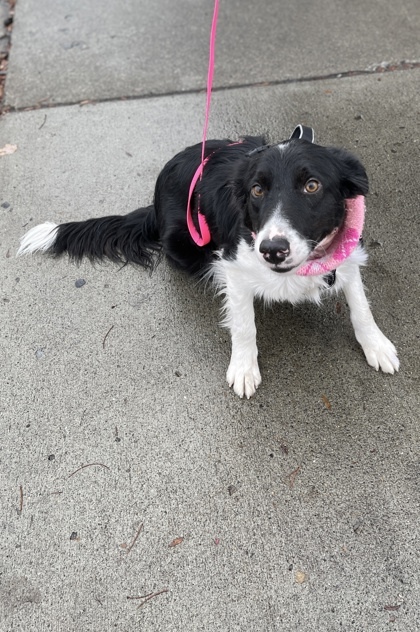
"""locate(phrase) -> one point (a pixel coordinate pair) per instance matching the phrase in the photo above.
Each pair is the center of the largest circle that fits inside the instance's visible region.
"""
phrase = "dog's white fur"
(247, 277)
(38, 239)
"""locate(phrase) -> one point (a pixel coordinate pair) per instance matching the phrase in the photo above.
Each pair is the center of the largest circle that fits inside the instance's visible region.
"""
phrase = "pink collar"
(335, 248)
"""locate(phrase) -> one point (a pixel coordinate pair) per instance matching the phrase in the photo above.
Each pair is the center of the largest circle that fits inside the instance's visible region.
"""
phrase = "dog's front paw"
(379, 351)
(244, 377)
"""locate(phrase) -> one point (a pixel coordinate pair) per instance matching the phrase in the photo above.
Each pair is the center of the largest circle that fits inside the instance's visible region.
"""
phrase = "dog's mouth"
(318, 252)
(285, 264)
(282, 270)
(322, 247)
(282, 253)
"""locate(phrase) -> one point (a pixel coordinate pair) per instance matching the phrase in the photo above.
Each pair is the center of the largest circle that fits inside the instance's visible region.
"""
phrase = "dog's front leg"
(379, 351)
(243, 372)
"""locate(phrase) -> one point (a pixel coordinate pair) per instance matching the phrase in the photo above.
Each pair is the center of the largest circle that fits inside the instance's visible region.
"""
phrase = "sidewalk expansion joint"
(375, 69)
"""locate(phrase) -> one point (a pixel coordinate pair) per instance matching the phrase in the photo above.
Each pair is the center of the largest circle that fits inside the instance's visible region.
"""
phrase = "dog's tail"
(132, 238)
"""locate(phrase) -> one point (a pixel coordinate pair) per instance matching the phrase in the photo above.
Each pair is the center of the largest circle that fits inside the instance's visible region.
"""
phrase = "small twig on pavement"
(43, 123)
(21, 499)
(292, 476)
(87, 465)
(165, 590)
(141, 597)
(106, 336)
(149, 596)
(139, 530)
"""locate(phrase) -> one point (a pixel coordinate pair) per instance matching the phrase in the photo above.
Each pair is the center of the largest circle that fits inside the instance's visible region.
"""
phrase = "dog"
(270, 210)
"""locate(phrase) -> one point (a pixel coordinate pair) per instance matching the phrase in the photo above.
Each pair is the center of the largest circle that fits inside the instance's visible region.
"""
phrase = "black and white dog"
(269, 209)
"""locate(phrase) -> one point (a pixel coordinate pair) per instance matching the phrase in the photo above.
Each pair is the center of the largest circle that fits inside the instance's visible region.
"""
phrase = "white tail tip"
(40, 237)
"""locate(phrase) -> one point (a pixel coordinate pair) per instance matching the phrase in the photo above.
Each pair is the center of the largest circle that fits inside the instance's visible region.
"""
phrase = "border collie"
(270, 211)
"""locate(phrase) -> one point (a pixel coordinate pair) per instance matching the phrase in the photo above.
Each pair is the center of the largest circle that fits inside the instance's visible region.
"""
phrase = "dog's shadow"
(291, 339)
(195, 305)
(300, 333)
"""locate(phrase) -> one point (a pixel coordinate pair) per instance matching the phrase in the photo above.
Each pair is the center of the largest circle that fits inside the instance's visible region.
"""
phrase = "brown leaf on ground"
(8, 149)
(300, 577)
(176, 542)
(327, 402)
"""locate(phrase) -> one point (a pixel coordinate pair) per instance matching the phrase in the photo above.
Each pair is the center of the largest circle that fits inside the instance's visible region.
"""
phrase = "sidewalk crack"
(373, 69)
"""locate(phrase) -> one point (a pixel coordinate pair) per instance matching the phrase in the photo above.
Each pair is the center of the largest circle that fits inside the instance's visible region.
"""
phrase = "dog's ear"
(354, 179)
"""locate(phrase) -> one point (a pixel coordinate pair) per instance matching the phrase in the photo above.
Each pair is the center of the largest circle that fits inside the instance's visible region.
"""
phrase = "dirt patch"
(7, 12)
(16, 591)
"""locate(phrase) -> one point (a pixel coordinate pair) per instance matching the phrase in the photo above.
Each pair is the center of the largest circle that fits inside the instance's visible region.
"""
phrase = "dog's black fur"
(231, 211)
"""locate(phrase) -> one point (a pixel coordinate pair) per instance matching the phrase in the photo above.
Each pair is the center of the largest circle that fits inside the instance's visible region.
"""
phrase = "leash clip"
(257, 150)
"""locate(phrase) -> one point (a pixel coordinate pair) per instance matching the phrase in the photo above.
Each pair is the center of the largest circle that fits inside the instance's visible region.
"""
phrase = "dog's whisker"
(318, 247)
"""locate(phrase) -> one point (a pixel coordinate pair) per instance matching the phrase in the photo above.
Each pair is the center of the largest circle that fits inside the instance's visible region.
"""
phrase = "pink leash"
(343, 243)
(203, 236)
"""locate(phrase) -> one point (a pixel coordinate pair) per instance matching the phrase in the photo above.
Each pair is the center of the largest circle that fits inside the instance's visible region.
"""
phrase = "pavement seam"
(374, 69)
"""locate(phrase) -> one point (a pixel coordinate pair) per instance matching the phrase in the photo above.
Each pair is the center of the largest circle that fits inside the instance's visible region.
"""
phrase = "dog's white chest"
(247, 273)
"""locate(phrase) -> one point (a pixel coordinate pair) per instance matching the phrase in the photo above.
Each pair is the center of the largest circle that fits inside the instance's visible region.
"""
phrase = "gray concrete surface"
(73, 50)
(294, 517)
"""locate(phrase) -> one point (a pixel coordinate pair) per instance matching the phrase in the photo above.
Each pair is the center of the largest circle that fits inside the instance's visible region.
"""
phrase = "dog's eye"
(257, 191)
(312, 186)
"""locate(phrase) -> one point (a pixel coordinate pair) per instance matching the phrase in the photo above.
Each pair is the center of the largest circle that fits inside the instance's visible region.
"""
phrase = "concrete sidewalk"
(297, 510)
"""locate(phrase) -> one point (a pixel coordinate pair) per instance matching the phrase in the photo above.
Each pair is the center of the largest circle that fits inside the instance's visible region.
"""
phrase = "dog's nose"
(275, 250)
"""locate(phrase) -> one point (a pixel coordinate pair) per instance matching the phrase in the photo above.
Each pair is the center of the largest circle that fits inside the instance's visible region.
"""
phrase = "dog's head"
(295, 196)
